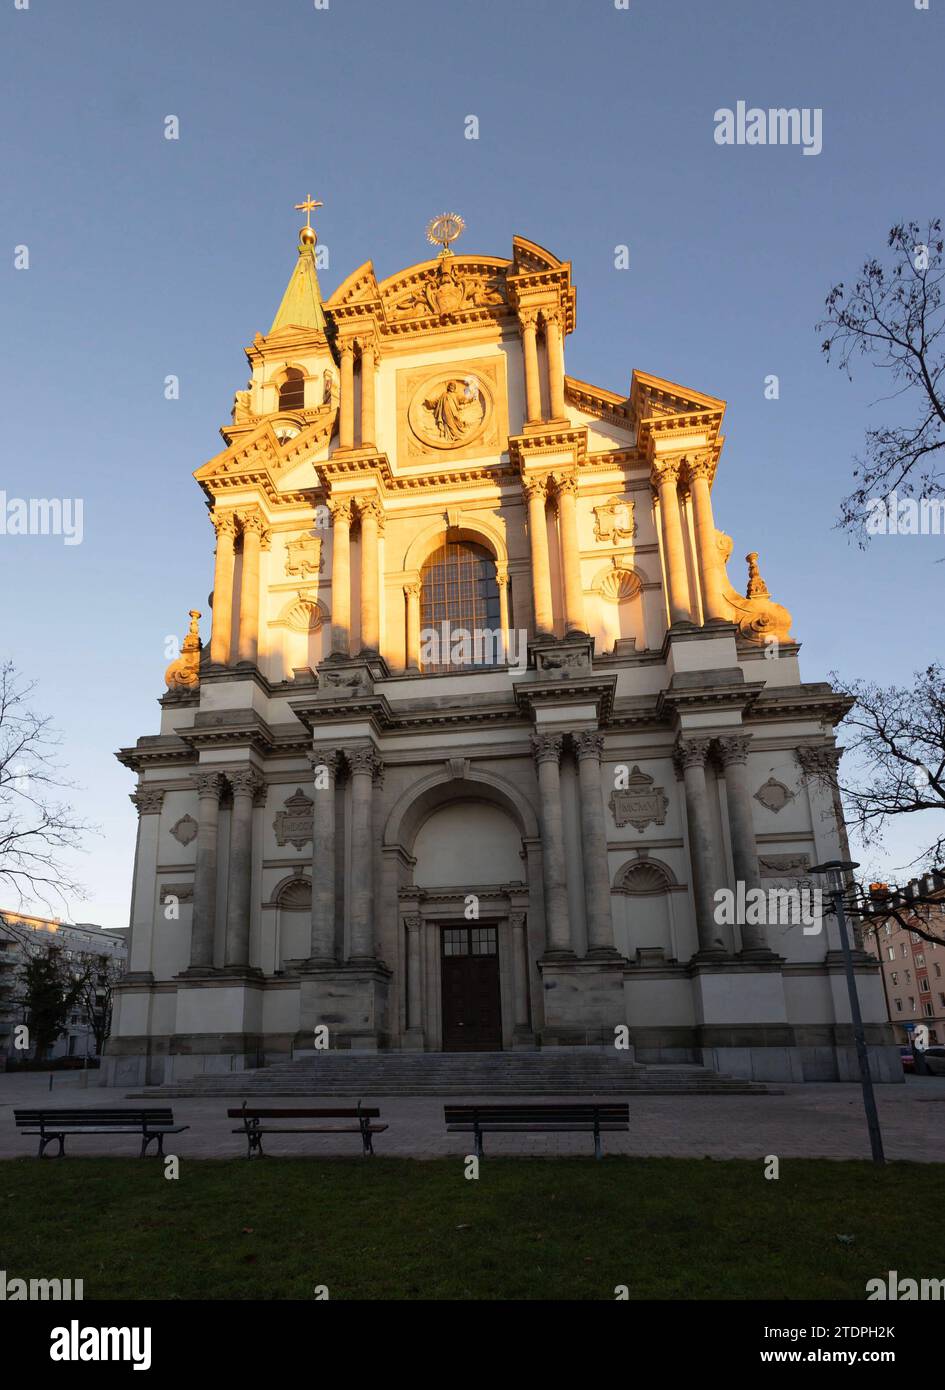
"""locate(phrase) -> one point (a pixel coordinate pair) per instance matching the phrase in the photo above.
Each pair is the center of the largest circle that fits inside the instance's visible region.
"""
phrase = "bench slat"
(268, 1114)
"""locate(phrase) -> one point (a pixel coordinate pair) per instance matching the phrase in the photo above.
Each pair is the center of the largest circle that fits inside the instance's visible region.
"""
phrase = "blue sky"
(151, 257)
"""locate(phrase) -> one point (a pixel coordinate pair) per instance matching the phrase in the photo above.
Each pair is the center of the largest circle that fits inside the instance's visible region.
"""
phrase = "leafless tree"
(894, 316)
(36, 826)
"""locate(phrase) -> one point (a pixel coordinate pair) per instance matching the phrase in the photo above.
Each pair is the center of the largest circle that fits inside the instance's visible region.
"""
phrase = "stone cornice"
(596, 401)
(529, 450)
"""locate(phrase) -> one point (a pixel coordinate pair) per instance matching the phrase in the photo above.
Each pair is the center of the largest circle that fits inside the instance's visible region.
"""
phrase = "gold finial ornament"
(444, 229)
(307, 234)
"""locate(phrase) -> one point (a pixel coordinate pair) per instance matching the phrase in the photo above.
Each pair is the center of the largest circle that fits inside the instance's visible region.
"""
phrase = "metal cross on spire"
(307, 207)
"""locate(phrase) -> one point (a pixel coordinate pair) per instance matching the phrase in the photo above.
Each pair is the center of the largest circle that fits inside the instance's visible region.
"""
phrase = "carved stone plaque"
(294, 823)
(184, 830)
(303, 555)
(614, 521)
(774, 795)
(639, 804)
(456, 411)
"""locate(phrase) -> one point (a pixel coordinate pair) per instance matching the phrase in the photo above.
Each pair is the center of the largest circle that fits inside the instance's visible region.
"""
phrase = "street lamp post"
(834, 871)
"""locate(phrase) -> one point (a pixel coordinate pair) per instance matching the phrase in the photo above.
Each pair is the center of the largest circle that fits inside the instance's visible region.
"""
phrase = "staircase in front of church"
(553, 1072)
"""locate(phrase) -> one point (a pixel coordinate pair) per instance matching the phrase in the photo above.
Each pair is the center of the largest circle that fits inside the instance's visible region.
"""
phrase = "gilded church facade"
(482, 726)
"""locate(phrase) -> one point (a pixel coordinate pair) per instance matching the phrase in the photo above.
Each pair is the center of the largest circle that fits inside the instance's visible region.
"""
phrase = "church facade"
(485, 749)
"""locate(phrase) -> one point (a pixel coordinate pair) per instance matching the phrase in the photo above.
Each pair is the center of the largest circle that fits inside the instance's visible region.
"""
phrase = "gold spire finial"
(444, 229)
(307, 234)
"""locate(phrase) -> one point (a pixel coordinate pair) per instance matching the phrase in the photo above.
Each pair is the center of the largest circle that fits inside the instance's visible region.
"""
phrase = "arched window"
(292, 390)
(459, 588)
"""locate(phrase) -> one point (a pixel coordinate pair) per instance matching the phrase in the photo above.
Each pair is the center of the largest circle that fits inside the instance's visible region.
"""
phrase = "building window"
(941, 1000)
(292, 390)
(459, 589)
(912, 1003)
(894, 976)
(905, 951)
(892, 952)
(924, 986)
(908, 977)
(927, 1006)
(938, 970)
(898, 1006)
(920, 959)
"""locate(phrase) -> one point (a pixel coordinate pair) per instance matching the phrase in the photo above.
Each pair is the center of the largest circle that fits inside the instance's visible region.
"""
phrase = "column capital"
(547, 748)
(588, 743)
(699, 466)
(566, 483)
(528, 318)
(413, 921)
(328, 758)
(692, 752)
(340, 509)
(501, 573)
(252, 521)
(413, 589)
(823, 762)
(535, 486)
(147, 800)
(209, 784)
(223, 522)
(552, 317)
(368, 342)
(371, 506)
(666, 471)
(733, 748)
(516, 920)
(346, 347)
(363, 760)
(246, 781)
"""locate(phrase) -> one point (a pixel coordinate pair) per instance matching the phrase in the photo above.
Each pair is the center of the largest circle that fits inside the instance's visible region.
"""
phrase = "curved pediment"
(446, 286)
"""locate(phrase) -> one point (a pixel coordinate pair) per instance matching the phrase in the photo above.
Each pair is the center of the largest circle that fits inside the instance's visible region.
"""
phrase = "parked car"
(906, 1057)
(935, 1060)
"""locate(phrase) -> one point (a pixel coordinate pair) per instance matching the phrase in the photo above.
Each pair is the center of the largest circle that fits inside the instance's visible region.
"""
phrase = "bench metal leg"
(51, 1139)
(255, 1148)
(152, 1139)
(478, 1135)
(367, 1140)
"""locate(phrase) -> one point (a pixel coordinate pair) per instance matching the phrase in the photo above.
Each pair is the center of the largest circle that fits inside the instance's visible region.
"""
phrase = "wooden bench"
(254, 1128)
(563, 1117)
(49, 1124)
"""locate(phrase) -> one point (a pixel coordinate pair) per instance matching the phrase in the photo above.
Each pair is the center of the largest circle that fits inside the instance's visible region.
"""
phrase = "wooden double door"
(469, 970)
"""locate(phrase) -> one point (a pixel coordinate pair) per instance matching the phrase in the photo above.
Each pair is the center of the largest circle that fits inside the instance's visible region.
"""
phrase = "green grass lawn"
(400, 1229)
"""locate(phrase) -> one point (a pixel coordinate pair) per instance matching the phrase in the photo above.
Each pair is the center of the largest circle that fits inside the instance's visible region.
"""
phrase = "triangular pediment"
(261, 454)
(653, 396)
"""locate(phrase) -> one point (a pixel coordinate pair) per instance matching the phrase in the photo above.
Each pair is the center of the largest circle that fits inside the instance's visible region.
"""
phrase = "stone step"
(556, 1073)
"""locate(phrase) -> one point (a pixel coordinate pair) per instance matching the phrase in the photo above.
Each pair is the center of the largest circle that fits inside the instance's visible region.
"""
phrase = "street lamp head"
(834, 870)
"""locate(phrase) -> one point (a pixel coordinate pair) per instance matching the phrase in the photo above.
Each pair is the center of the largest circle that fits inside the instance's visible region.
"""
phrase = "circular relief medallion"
(450, 411)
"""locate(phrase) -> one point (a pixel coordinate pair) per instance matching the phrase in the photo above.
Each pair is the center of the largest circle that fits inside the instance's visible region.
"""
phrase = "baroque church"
(483, 726)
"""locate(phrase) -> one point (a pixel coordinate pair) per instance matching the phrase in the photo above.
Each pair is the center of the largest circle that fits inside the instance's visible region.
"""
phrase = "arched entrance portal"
(465, 961)
(467, 852)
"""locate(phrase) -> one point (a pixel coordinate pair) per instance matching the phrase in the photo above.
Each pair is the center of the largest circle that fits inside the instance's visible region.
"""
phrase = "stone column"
(535, 490)
(528, 319)
(553, 344)
(414, 924)
(547, 749)
(221, 637)
(372, 522)
(664, 477)
(346, 406)
(600, 925)
(367, 393)
(519, 970)
(713, 604)
(324, 771)
(733, 755)
(363, 764)
(340, 577)
(692, 753)
(412, 595)
(148, 802)
(502, 580)
(209, 790)
(255, 536)
(571, 555)
(246, 784)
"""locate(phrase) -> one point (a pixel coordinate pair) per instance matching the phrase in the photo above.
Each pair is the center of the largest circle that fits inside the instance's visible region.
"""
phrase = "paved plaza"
(804, 1121)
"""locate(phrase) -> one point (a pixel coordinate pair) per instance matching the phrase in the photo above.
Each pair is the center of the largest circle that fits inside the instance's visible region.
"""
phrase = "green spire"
(301, 305)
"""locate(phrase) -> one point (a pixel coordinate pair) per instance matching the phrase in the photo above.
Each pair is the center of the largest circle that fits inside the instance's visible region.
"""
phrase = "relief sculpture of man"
(448, 410)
